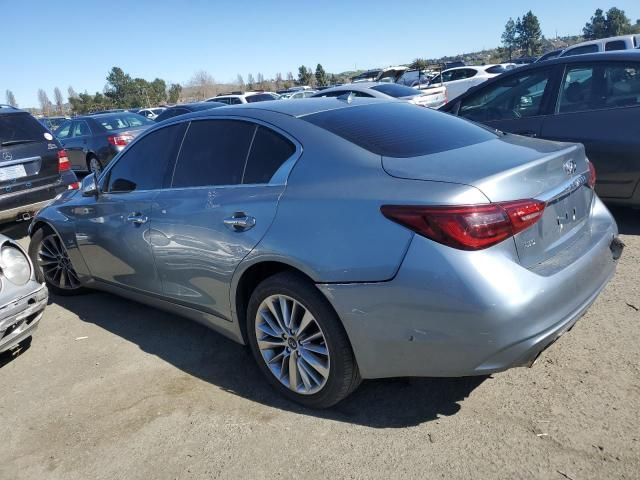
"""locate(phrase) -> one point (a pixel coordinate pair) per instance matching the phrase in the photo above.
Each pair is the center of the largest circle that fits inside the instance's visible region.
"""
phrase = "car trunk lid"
(514, 168)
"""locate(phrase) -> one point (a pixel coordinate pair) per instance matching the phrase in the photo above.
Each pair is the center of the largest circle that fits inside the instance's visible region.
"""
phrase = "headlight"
(15, 265)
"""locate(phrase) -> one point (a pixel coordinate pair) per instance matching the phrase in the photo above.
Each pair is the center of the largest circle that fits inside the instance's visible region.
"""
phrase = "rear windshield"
(400, 129)
(20, 126)
(396, 91)
(118, 121)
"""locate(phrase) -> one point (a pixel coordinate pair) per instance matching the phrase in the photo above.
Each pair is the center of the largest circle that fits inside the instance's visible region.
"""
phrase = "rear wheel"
(52, 264)
(94, 165)
(299, 342)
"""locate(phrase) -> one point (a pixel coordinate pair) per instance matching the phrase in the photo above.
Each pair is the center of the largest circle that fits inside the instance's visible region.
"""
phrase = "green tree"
(419, 64)
(175, 89)
(120, 87)
(597, 27)
(321, 76)
(617, 22)
(510, 37)
(529, 34)
(304, 75)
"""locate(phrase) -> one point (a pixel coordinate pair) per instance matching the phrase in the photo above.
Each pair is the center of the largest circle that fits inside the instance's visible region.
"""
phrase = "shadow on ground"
(205, 354)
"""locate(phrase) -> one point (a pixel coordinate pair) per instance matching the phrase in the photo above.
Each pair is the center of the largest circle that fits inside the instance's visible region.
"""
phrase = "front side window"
(511, 98)
(64, 130)
(214, 152)
(145, 165)
(576, 92)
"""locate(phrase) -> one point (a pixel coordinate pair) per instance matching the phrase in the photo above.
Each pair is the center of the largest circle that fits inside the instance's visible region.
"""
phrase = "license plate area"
(12, 172)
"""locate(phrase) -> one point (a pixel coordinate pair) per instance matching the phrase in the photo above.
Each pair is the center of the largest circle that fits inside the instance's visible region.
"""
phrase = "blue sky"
(51, 43)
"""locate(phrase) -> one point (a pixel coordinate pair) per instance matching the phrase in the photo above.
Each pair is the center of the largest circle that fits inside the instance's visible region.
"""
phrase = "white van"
(623, 42)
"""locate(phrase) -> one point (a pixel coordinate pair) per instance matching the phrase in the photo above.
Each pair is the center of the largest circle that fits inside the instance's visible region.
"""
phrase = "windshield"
(396, 91)
(122, 120)
(20, 126)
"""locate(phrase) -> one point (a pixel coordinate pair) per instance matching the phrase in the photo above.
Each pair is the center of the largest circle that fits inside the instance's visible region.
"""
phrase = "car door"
(517, 103)
(113, 231)
(599, 106)
(76, 145)
(223, 199)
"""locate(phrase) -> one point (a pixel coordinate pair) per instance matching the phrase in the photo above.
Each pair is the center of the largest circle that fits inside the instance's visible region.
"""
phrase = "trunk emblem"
(6, 156)
(569, 167)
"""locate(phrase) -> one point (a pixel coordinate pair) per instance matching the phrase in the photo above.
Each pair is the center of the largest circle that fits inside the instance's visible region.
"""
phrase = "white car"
(300, 94)
(623, 42)
(460, 79)
(151, 113)
(238, 98)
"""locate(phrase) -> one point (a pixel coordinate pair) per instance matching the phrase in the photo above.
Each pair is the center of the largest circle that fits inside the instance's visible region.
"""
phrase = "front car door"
(112, 231)
(599, 106)
(224, 196)
(517, 103)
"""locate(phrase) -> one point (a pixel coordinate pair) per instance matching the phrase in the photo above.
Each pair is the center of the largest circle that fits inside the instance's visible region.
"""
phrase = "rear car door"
(517, 103)
(77, 143)
(599, 106)
(113, 231)
(224, 195)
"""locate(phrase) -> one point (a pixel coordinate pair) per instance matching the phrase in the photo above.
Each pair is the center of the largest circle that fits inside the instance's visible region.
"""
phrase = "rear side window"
(20, 126)
(615, 45)
(581, 50)
(171, 112)
(400, 129)
(268, 152)
(145, 165)
(396, 91)
(621, 86)
(214, 152)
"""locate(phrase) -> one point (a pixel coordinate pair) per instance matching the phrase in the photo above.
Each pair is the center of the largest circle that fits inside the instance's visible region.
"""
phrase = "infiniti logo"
(569, 167)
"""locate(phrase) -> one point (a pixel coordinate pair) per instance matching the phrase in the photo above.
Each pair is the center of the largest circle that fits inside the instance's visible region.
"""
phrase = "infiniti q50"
(342, 239)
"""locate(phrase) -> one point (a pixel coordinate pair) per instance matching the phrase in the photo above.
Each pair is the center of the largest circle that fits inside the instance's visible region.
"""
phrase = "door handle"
(239, 222)
(527, 133)
(137, 219)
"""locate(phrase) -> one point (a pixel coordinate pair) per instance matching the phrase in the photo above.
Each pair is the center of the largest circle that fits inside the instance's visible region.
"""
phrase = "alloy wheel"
(292, 344)
(56, 265)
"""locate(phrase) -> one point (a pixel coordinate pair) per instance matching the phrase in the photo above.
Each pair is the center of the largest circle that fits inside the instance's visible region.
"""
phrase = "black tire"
(343, 376)
(34, 247)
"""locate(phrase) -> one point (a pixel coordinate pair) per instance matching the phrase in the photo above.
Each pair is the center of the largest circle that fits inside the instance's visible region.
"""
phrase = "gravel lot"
(112, 389)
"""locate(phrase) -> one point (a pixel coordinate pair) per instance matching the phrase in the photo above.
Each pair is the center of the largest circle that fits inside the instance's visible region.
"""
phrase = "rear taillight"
(467, 227)
(119, 140)
(63, 161)
(592, 175)
(74, 186)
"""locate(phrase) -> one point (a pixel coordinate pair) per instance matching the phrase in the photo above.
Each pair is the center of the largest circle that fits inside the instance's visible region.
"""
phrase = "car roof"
(8, 109)
(298, 108)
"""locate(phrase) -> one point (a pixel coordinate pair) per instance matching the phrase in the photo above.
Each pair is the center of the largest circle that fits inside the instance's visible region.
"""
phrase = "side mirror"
(89, 186)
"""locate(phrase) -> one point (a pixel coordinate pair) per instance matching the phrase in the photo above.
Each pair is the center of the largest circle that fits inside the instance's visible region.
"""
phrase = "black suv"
(33, 166)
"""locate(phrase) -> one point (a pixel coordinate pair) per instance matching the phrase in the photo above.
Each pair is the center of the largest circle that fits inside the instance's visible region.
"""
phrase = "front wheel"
(52, 264)
(299, 343)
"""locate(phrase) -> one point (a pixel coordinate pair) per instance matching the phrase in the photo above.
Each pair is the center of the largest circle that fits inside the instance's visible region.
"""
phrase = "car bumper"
(20, 317)
(22, 205)
(454, 313)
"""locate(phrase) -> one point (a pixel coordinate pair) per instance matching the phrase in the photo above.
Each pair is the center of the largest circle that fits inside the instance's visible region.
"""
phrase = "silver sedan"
(342, 239)
(432, 97)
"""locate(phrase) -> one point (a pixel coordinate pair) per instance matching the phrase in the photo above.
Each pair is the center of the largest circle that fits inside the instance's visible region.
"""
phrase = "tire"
(91, 160)
(320, 341)
(68, 286)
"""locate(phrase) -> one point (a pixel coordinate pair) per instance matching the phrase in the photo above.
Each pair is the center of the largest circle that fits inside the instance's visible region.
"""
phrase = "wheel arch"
(248, 278)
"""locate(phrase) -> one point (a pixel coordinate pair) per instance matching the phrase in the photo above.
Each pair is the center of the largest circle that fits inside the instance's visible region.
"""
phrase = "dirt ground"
(111, 389)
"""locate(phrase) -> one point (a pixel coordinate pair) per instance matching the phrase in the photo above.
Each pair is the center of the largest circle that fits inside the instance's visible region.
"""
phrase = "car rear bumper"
(14, 205)
(20, 317)
(454, 313)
